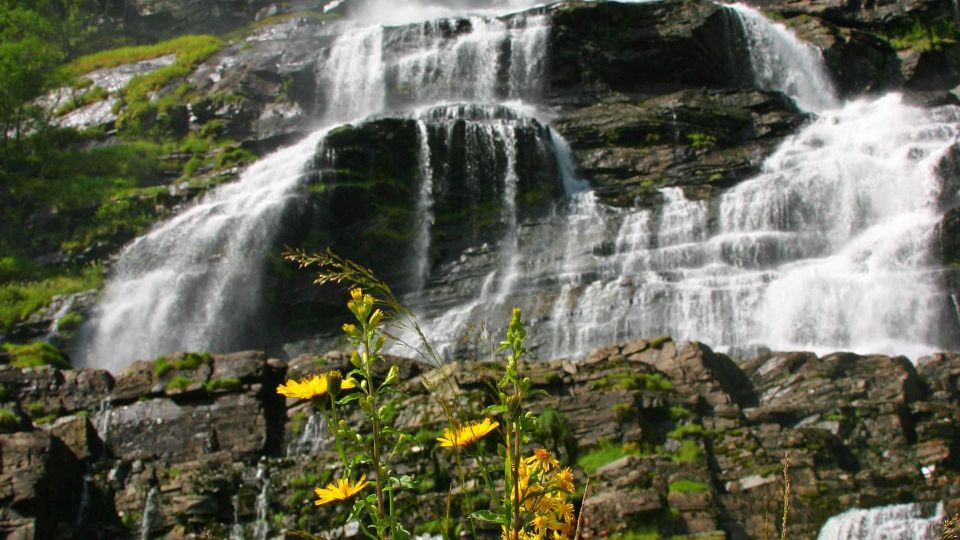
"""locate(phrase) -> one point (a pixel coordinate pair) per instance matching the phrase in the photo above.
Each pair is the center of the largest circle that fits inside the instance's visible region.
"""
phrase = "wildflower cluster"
(370, 449)
(542, 499)
(533, 503)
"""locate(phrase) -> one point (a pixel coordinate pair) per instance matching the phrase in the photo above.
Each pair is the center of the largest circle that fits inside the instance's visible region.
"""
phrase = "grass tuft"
(35, 354)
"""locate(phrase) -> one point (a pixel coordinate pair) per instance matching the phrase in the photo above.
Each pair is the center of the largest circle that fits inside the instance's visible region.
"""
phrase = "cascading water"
(372, 69)
(782, 62)
(896, 522)
(193, 282)
(261, 530)
(828, 248)
(425, 217)
(149, 508)
(311, 440)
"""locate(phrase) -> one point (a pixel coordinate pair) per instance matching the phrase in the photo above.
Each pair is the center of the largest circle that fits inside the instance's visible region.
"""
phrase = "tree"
(30, 57)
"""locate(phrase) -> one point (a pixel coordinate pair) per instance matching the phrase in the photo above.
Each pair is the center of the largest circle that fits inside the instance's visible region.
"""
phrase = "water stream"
(828, 248)
(896, 522)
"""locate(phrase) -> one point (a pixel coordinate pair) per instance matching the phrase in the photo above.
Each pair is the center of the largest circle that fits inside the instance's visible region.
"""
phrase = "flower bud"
(334, 380)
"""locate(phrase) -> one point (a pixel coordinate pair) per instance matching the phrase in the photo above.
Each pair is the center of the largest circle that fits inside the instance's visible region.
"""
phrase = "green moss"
(193, 360)
(226, 384)
(632, 381)
(314, 16)
(691, 431)
(679, 413)
(687, 486)
(161, 366)
(645, 533)
(604, 454)
(922, 36)
(701, 140)
(8, 419)
(3, 392)
(69, 321)
(690, 452)
(35, 354)
(621, 411)
(297, 422)
(179, 382)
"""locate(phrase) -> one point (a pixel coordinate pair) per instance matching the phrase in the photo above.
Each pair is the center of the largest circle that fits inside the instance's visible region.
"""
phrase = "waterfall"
(149, 508)
(425, 217)
(311, 441)
(897, 522)
(236, 529)
(828, 248)
(84, 499)
(782, 62)
(103, 423)
(193, 282)
(490, 138)
(262, 527)
(372, 69)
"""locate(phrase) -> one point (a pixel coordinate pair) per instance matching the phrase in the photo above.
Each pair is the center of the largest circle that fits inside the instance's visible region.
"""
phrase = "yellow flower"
(313, 387)
(340, 491)
(541, 459)
(564, 479)
(467, 434)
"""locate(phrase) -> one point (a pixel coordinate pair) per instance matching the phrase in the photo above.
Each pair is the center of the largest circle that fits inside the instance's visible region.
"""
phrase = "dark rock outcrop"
(703, 440)
(696, 139)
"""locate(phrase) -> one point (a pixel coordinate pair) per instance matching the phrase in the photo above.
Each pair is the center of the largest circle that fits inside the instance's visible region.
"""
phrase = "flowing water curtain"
(193, 282)
(828, 248)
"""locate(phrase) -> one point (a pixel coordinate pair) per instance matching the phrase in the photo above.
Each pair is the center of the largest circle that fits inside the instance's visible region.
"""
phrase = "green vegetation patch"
(690, 452)
(633, 381)
(605, 454)
(687, 486)
(179, 383)
(19, 299)
(225, 384)
(8, 419)
(187, 48)
(924, 36)
(35, 354)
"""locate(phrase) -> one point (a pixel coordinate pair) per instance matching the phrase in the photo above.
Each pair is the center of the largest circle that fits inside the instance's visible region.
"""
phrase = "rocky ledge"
(694, 441)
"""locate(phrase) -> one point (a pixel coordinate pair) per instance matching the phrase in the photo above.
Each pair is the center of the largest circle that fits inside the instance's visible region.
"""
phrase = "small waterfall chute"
(781, 61)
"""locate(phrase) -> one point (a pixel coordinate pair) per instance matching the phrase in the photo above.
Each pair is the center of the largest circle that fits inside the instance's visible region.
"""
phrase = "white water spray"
(149, 508)
(424, 209)
(193, 282)
(782, 62)
(896, 522)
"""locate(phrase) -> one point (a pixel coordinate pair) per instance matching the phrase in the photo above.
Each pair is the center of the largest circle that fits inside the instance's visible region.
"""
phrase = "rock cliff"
(702, 440)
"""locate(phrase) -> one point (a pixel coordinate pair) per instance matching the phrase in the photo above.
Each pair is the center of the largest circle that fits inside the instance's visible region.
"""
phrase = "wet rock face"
(698, 139)
(164, 18)
(643, 47)
(704, 438)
